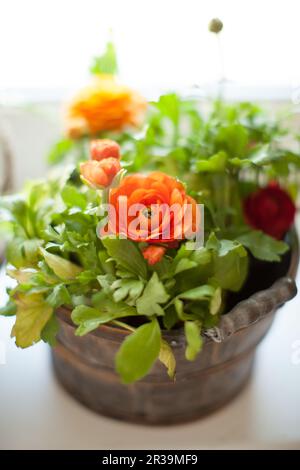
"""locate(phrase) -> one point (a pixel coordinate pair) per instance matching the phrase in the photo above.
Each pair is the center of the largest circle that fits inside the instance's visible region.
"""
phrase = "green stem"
(123, 325)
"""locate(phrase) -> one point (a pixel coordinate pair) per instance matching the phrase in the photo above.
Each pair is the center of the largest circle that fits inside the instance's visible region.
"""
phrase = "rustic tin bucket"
(85, 365)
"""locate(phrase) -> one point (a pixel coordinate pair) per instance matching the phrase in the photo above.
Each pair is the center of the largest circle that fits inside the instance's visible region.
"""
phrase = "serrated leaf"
(32, 315)
(127, 255)
(50, 330)
(59, 296)
(90, 318)
(154, 294)
(129, 289)
(262, 246)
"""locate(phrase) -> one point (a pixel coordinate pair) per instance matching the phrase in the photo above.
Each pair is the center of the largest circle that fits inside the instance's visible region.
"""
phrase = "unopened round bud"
(215, 25)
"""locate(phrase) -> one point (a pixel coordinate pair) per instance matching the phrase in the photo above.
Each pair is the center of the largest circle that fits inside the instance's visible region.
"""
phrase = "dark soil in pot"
(262, 274)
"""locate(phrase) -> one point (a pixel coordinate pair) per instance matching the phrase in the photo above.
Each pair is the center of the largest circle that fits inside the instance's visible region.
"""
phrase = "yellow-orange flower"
(104, 105)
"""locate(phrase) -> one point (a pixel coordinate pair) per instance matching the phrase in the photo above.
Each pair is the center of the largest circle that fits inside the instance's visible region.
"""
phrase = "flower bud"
(104, 148)
(100, 174)
(153, 254)
(215, 25)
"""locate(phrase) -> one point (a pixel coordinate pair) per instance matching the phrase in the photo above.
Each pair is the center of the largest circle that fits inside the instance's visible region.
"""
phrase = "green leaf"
(184, 264)
(170, 318)
(263, 246)
(167, 358)
(216, 163)
(201, 256)
(127, 289)
(64, 269)
(107, 62)
(32, 315)
(233, 139)
(194, 340)
(89, 318)
(230, 263)
(138, 352)
(154, 294)
(50, 330)
(198, 293)
(23, 276)
(36, 194)
(230, 270)
(216, 301)
(127, 255)
(72, 197)
(59, 151)
(213, 243)
(226, 246)
(260, 156)
(59, 296)
(23, 253)
(169, 106)
(9, 309)
(179, 308)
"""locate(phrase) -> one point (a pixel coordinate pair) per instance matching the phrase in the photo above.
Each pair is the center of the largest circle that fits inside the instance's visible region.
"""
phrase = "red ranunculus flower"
(271, 210)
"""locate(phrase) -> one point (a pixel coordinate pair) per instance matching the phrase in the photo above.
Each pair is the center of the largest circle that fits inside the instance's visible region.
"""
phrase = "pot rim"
(242, 315)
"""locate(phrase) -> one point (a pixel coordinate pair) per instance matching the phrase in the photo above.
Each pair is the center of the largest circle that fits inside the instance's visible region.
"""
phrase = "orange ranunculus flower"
(104, 148)
(152, 208)
(104, 105)
(100, 174)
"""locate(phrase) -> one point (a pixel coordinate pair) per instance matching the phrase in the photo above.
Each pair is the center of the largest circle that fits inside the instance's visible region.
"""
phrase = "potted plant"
(147, 322)
(156, 321)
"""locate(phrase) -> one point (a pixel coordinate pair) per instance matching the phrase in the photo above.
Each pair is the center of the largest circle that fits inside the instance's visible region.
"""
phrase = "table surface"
(36, 413)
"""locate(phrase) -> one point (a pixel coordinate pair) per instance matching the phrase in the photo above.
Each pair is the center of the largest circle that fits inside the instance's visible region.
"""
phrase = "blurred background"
(46, 49)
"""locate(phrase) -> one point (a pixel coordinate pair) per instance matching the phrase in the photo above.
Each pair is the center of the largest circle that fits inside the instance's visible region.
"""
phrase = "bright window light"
(48, 44)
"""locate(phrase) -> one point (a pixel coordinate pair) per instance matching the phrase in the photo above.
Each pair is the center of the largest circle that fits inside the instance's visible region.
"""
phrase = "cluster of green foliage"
(221, 153)
(57, 259)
